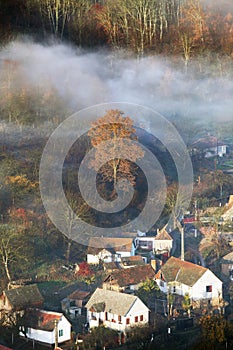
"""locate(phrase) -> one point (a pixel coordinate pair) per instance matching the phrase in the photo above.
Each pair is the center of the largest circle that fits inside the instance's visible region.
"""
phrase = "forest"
(171, 27)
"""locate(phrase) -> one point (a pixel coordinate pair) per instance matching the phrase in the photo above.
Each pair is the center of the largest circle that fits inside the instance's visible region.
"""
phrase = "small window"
(127, 321)
(119, 318)
(136, 319)
(174, 289)
(161, 284)
(208, 289)
(106, 316)
(141, 318)
(60, 333)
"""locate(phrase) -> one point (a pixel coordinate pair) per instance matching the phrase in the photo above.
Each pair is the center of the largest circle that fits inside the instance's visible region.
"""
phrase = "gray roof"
(110, 301)
(112, 244)
(24, 297)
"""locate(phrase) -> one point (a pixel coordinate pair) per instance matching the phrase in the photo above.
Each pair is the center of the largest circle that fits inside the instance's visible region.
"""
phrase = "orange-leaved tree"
(115, 128)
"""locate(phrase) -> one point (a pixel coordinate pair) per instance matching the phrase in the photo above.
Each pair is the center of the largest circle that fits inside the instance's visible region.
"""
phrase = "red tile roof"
(79, 295)
(131, 276)
(41, 319)
(2, 347)
(184, 272)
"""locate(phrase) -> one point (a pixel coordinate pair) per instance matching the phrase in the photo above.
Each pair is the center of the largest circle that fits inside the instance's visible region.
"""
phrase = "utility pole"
(195, 217)
(56, 333)
(181, 229)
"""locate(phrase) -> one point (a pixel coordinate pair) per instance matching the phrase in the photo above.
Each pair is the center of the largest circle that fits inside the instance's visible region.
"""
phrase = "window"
(174, 289)
(106, 316)
(119, 318)
(60, 333)
(141, 318)
(127, 321)
(208, 289)
(136, 319)
(161, 284)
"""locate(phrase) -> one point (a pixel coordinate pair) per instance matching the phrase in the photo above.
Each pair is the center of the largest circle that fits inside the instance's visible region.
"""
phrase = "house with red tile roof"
(109, 249)
(132, 261)
(2, 347)
(181, 277)
(42, 326)
(128, 279)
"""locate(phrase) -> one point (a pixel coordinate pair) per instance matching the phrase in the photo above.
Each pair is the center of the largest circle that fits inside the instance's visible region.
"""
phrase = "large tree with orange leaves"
(115, 128)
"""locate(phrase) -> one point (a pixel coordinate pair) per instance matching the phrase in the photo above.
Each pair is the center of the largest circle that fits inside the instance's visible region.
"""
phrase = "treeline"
(169, 26)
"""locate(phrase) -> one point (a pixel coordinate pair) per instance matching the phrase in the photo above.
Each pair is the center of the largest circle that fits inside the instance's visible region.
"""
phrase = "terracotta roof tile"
(41, 319)
(182, 271)
(79, 295)
(132, 260)
(131, 276)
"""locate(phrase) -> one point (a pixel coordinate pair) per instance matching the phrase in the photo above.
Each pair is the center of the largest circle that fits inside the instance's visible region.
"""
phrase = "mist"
(202, 94)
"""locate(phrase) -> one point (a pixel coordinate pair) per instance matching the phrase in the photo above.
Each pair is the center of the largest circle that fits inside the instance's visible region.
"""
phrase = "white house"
(41, 325)
(181, 277)
(163, 242)
(160, 243)
(109, 249)
(118, 311)
(209, 146)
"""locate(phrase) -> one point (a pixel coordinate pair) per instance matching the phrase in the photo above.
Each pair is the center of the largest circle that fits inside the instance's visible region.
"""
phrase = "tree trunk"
(68, 251)
(7, 271)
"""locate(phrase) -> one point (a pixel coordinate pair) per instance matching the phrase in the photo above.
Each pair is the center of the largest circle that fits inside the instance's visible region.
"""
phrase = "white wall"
(40, 335)
(66, 327)
(207, 279)
(198, 290)
(92, 259)
(49, 336)
(138, 309)
(163, 245)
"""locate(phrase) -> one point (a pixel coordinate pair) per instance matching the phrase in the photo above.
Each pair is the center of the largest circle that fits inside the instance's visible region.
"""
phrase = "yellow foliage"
(21, 181)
